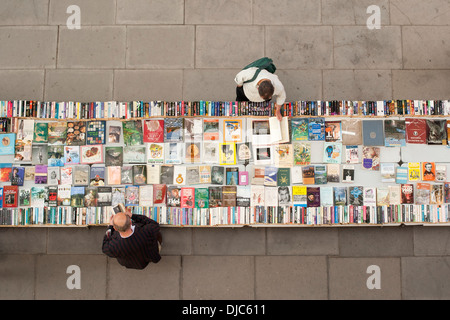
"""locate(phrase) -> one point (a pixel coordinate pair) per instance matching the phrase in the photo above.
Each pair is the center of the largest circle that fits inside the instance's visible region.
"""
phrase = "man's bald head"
(122, 222)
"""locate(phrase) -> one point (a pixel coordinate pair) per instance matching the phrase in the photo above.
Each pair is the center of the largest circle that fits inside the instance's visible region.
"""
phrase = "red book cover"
(407, 193)
(159, 193)
(154, 131)
(10, 196)
(187, 197)
(416, 131)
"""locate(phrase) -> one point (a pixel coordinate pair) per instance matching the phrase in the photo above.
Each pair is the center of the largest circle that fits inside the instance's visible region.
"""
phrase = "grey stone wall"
(189, 50)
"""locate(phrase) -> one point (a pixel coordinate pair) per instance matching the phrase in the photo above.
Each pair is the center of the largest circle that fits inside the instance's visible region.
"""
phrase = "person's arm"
(107, 247)
(244, 75)
(280, 94)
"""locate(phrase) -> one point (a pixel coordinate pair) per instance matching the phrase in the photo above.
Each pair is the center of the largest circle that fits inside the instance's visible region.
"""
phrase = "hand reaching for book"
(278, 112)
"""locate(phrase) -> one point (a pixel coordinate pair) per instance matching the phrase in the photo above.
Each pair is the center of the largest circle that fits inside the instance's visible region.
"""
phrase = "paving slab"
(17, 276)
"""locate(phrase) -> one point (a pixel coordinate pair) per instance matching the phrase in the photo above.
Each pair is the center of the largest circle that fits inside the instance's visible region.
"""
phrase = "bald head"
(122, 222)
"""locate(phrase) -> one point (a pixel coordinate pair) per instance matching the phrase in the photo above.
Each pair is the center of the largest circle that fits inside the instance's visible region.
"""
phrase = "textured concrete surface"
(191, 49)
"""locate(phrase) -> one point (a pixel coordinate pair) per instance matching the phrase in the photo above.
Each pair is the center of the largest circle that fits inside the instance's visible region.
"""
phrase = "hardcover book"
(132, 132)
(313, 196)
(215, 197)
(351, 132)
(428, 171)
(436, 131)
(260, 131)
(131, 196)
(217, 175)
(173, 129)
(39, 197)
(53, 175)
(340, 196)
(80, 175)
(55, 157)
(117, 196)
(40, 174)
(134, 154)
(333, 172)
(371, 158)
(299, 196)
(201, 198)
(270, 176)
(326, 196)
(356, 196)
(243, 195)
(257, 195)
(127, 175)
(416, 130)
(232, 176)
(173, 196)
(302, 153)
(76, 133)
(105, 196)
(39, 154)
(299, 129)
(154, 174)
(373, 132)
(63, 197)
(394, 133)
(139, 174)
(153, 131)
(308, 174)
(77, 197)
(57, 133)
(211, 129)
(17, 176)
(284, 196)
(155, 153)
(95, 132)
(10, 196)
(159, 194)
(284, 177)
(66, 175)
(7, 145)
(71, 155)
(333, 131)
(332, 152)
(229, 196)
(97, 176)
(192, 175)
(40, 132)
(414, 171)
(407, 191)
(227, 153)
(114, 175)
(423, 193)
(90, 197)
(320, 174)
(113, 156)
(91, 154)
(316, 129)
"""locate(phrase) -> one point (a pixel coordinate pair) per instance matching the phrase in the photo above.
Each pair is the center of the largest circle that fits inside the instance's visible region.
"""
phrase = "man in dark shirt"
(134, 240)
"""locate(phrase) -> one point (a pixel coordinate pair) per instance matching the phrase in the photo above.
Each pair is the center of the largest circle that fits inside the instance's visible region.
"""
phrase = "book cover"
(283, 155)
(24, 137)
(370, 196)
(71, 155)
(436, 131)
(192, 175)
(441, 173)
(232, 176)
(127, 175)
(340, 196)
(279, 130)
(217, 175)
(395, 194)
(407, 190)
(263, 154)
(210, 152)
(114, 175)
(373, 132)
(284, 196)
(299, 196)
(270, 196)
(257, 195)
(57, 132)
(394, 133)
(131, 196)
(348, 173)
(39, 154)
(356, 196)
(227, 153)
(97, 176)
(7, 145)
(139, 174)
(155, 153)
(333, 172)
(40, 134)
(308, 174)
(39, 197)
(114, 133)
(154, 175)
(173, 196)
(284, 177)
(388, 173)
(437, 194)
(80, 175)
(40, 174)
(210, 129)
(117, 196)
(428, 171)
(260, 132)
(423, 193)
(193, 152)
(91, 154)
(333, 131)
(258, 175)
(173, 153)
(416, 130)
(316, 129)
(64, 195)
(401, 175)
(351, 132)
(326, 196)
(244, 152)
(76, 133)
(414, 171)
(229, 196)
(313, 197)
(159, 194)
(382, 196)
(132, 132)
(332, 152)
(90, 197)
(232, 130)
(77, 196)
(29, 173)
(146, 196)
(113, 156)
(270, 176)
(179, 175)
(17, 176)
(302, 153)
(205, 174)
(215, 197)
(134, 154)
(173, 129)
(371, 158)
(55, 157)
(10, 196)
(153, 131)
(104, 196)
(193, 129)
(66, 175)
(447, 192)
(166, 174)
(243, 195)
(351, 154)
(53, 176)
(299, 129)
(201, 198)
(320, 174)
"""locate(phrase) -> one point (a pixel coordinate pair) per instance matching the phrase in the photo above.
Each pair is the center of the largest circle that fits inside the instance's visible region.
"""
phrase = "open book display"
(208, 170)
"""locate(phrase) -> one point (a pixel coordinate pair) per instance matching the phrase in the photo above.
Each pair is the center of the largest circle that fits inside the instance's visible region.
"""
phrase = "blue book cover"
(316, 129)
(8, 141)
(401, 175)
(373, 132)
(270, 176)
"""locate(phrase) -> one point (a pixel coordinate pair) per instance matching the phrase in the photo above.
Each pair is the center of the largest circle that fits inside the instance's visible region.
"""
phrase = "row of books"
(224, 196)
(331, 215)
(145, 109)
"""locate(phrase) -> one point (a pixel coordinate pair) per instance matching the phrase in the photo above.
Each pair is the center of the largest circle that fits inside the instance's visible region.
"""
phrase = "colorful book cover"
(77, 197)
(64, 193)
(428, 171)
(10, 196)
(232, 176)
(283, 155)
(131, 196)
(316, 129)
(437, 194)
(414, 171)
(284, 177)
(401, 175)
(139, 174)
(76, 133)
(153, 131)
(193, 152)
(113, 156)
(229, 196)
(17, 176)
(332, 152)
(356, 196)
(340, 196)
(55, 156)
(90, 154)
(351, 154)
(320, 174)
(7, 145)
(423, 193)
(90, 197)
(114, 133)
(333, 131)
(211, 129)
(227, 153)
(97, 176)
(308, 174)
(299, 196)
(394, 133)
(179, 175)
(40, 132)
(159, 194)
(173, 129)
(243, 178)
(205, 174)
(299, 129)
(270, 176)
(173, 196)
(40, 174)
(436, 131)
(201, 198)
(416, 130)
(57, 132)
(71, 155)
(132, 132)
(313, 197)
(371, 158)
(302, 153)
(407, 191)
(39, 196)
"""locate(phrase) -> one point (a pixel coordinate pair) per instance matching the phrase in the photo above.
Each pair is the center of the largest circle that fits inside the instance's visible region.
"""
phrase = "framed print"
(91, 154)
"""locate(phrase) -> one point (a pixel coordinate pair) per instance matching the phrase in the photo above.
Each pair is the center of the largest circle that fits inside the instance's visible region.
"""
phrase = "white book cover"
(279, 130)
(271, 196)
(153, 173)
(146, 195)
(179, 175)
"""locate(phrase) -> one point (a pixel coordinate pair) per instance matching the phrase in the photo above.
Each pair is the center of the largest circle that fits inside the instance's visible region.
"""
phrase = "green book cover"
(299, 129)
(284, 177)
(40, 132)
(201, 198)
(132, 133)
